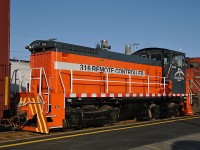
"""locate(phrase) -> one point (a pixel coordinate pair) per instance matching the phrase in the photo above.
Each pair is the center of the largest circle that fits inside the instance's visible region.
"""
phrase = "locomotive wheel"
(105, 108)
(111, 113)
(73, 118)
(155, 111)
(173, 110)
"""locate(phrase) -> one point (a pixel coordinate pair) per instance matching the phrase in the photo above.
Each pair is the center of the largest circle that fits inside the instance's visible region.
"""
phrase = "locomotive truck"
(70, 85)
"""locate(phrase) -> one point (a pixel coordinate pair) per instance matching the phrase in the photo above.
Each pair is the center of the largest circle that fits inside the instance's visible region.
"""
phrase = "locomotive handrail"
(42, 101)
(48, 94)
(169, 70)
(24, 104)
(107, 81)
(71, 81)
(129, 83)
(41, 71)
(190, 95)
(114, 81)
(63, 86)
(164, 84)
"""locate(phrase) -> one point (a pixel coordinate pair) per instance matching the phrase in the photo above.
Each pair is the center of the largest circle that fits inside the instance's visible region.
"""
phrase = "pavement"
(189, 142)
(174, 134)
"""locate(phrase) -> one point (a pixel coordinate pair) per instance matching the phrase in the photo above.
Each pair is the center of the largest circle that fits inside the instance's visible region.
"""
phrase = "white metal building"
(19, 68)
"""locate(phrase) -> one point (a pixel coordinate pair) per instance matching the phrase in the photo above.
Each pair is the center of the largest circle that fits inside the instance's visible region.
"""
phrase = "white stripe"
(141, 95)
(103, 95)
(112, 95)
(93, 95)
(85, 67)
(72, 95)
(55, 127)
(38, 118)
(44, 122)
(37, 130)
(66, 66)
(83, 94)
(119, 95)
(30, 106)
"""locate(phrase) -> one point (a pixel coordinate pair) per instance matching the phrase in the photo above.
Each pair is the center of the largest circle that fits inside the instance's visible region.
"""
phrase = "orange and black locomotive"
(71, 85)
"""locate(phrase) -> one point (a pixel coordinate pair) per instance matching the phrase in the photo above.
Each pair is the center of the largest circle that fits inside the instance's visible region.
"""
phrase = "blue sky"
(172, 24)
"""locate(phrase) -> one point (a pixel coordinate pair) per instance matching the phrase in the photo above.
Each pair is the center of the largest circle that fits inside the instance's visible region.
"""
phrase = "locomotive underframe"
(96, 112)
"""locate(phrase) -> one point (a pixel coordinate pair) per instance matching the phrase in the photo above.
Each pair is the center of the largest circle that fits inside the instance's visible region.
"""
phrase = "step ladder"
(41, 72)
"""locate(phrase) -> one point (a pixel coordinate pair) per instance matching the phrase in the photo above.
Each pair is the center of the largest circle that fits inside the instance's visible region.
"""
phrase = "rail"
(130, 82)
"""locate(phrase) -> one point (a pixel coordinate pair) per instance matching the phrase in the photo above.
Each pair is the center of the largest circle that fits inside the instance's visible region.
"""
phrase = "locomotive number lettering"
(92, 68)
(83, 67)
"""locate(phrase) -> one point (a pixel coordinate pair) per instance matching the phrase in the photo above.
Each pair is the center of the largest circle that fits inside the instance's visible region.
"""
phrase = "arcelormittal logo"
(179, 75)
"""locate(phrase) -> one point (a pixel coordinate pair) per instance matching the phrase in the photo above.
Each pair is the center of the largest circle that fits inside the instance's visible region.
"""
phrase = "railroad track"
(122, 125)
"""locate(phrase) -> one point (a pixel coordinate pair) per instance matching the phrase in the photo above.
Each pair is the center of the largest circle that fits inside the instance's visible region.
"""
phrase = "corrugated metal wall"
(5, 54)
(19, 67)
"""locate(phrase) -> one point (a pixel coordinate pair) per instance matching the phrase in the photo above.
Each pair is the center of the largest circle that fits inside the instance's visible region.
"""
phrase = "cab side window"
(156, 57)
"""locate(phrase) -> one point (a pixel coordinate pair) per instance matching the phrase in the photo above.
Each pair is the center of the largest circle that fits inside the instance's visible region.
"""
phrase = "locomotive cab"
(173, 65)
(164, 56)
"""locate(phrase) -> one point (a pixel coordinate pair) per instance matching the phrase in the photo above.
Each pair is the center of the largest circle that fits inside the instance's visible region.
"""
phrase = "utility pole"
(135, 45)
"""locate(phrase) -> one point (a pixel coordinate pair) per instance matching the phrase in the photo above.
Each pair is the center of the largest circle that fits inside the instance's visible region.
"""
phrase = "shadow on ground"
(186, 145)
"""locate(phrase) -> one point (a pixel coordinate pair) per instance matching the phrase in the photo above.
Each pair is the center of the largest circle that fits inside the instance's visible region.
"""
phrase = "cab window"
(156, 57)
(178, 60)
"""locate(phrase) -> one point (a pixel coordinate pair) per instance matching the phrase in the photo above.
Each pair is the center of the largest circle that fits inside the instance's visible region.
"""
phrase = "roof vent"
(128, 49)
(104, 45)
